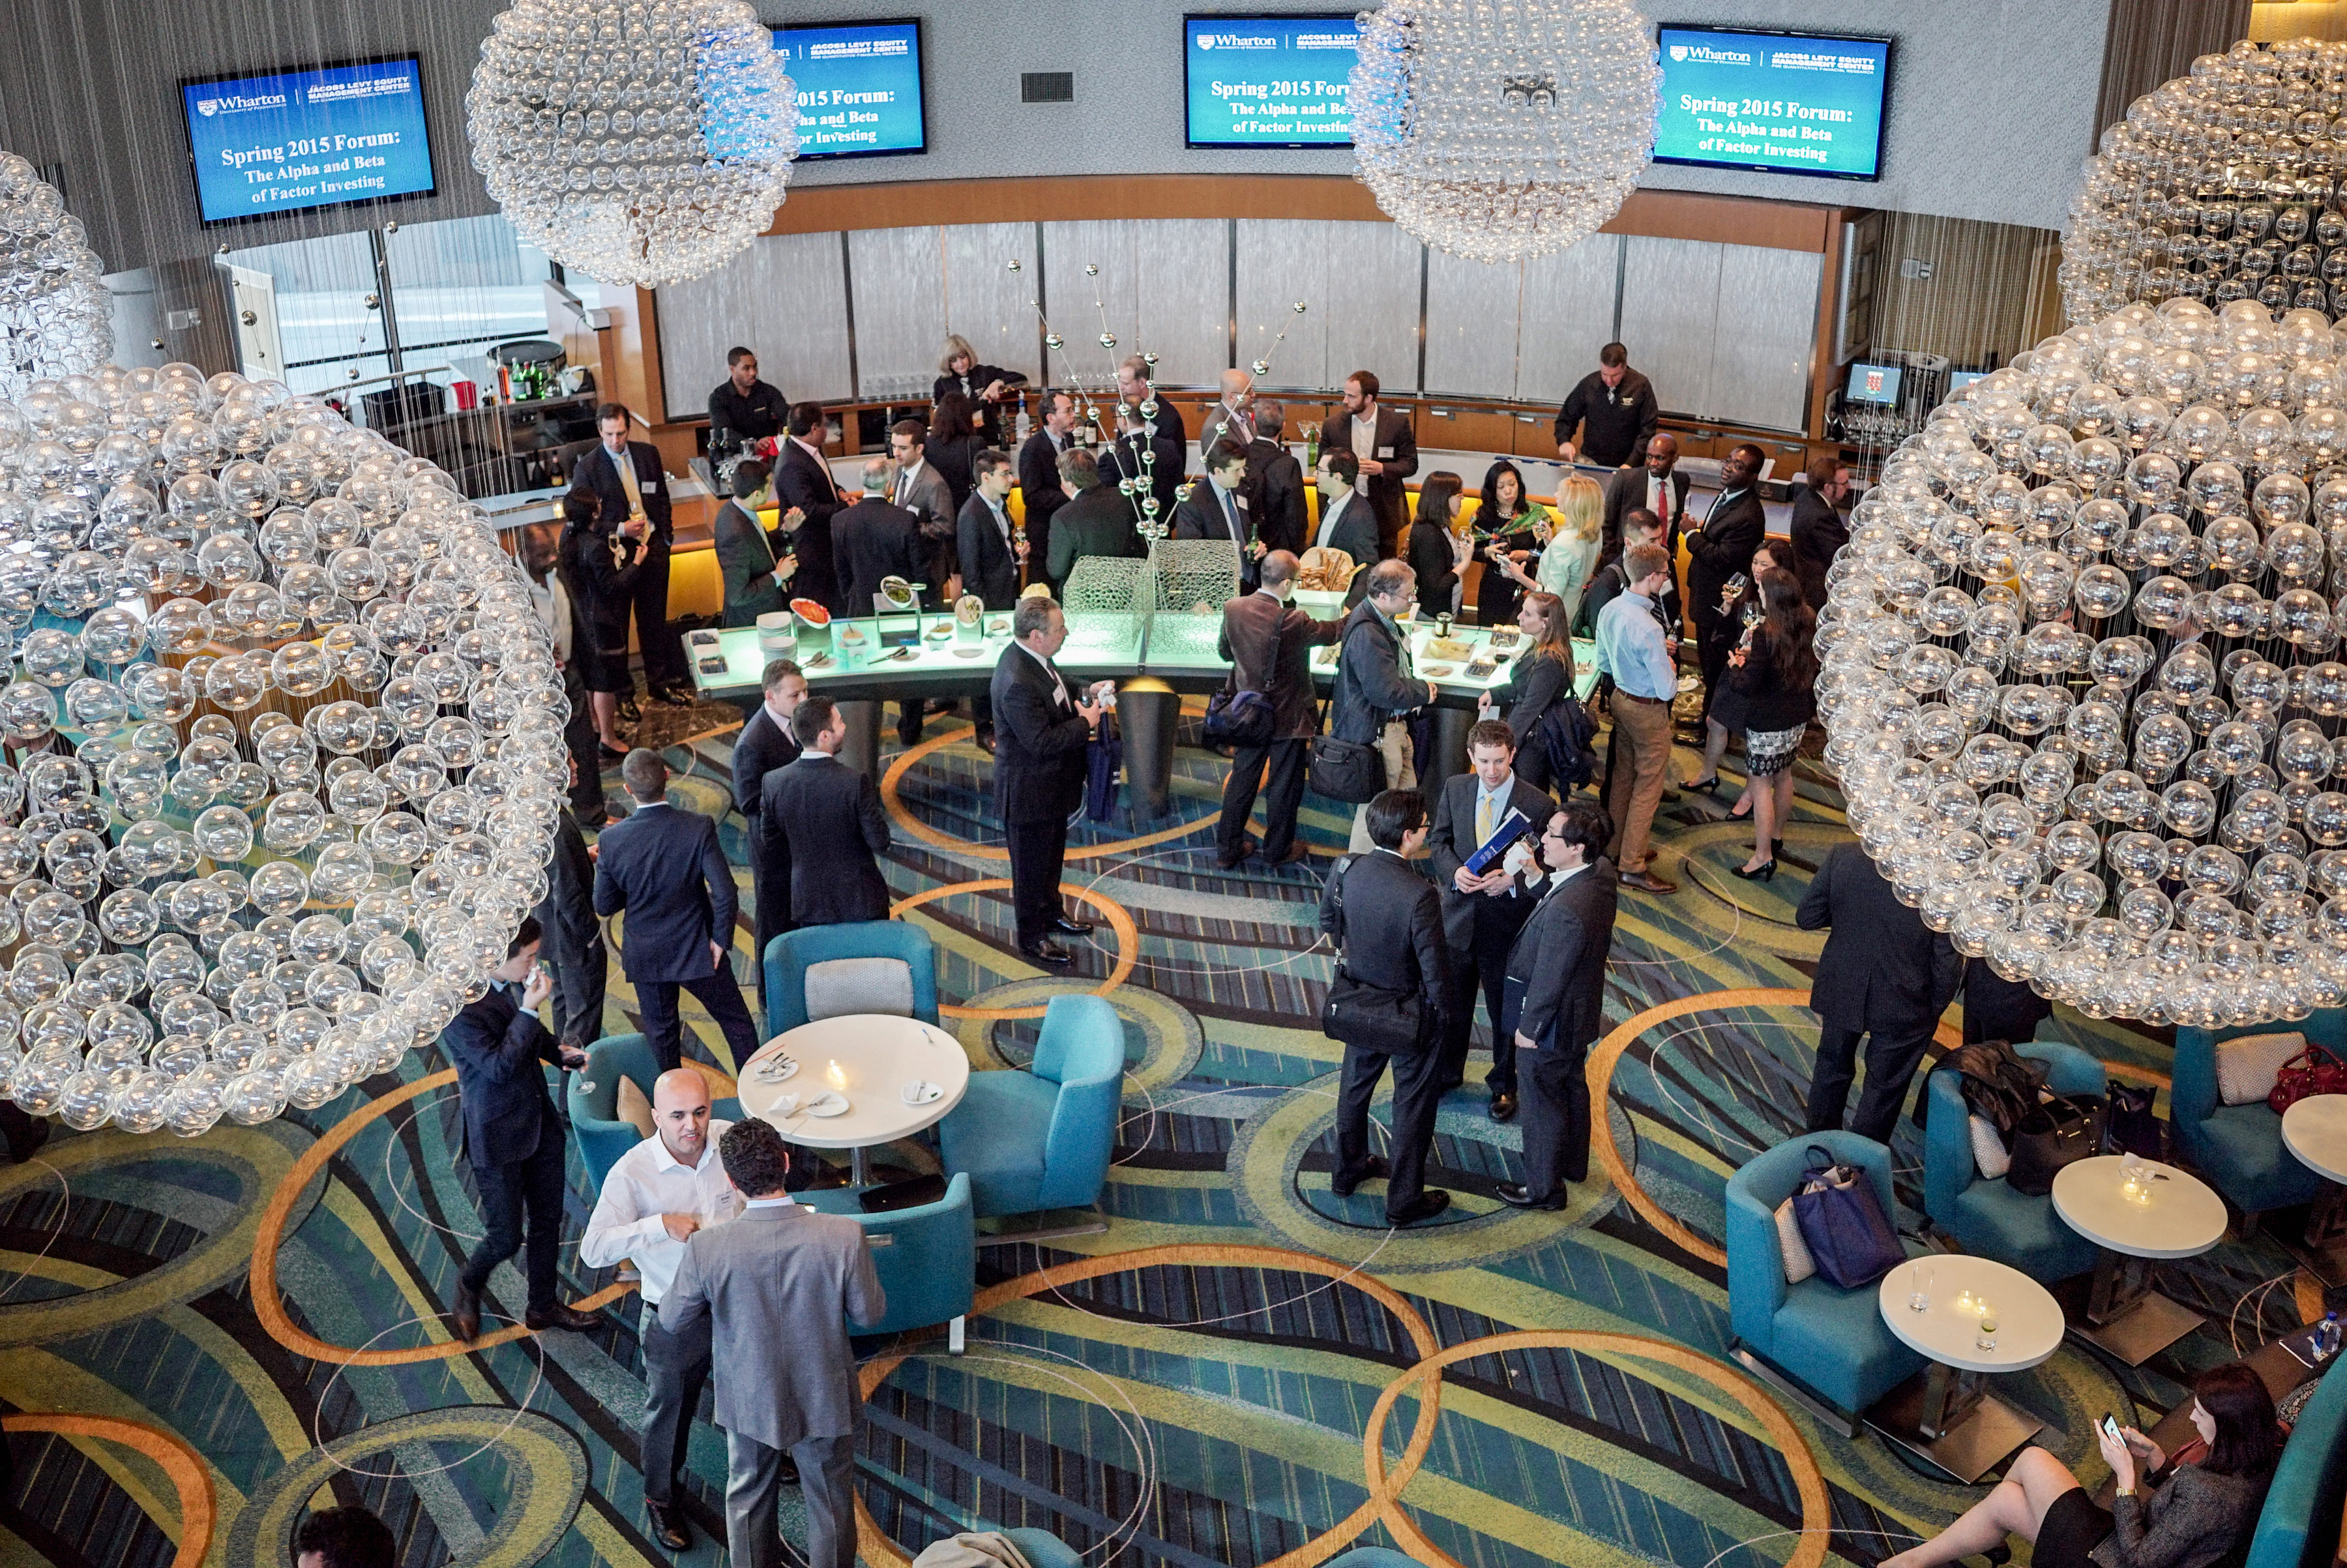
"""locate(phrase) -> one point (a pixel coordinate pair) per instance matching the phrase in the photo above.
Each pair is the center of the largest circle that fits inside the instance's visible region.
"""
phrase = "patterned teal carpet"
(1191, 1388)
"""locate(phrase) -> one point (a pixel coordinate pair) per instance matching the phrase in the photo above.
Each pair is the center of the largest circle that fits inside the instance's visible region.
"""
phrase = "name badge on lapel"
(648, 486)
(1384, 453)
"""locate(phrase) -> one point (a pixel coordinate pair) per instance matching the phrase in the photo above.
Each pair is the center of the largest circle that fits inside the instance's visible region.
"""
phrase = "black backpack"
(1567, 737)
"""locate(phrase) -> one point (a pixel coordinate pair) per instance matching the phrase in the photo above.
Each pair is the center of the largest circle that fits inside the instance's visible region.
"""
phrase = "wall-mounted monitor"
(860, 86)
(1872, 384)
(1781, 103)
(1959, 380)
(321, 135)
(1278, 80)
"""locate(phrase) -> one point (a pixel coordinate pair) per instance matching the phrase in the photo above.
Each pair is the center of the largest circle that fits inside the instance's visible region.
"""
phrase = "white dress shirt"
(647, 1183)
(553, 607)
(1330, 513)
(1659, 496)
(1365, 437)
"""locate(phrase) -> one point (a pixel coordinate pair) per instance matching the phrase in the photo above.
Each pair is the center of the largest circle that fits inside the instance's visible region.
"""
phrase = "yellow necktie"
(626, 464)
(1482, 819)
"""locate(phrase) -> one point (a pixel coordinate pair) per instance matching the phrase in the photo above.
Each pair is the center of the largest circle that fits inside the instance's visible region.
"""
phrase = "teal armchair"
(593, 1102)
(1829, 1343)
(863, 967)
(1989, 1217)
(1041, 1139)
(2299, 1526)
(927, 1257)
(2238, 1147)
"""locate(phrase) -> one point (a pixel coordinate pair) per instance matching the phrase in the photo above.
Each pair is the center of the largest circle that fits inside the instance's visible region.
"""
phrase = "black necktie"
(1230, 515)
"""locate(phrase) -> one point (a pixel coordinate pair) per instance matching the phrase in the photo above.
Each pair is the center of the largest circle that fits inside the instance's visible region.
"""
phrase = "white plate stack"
(778, 634)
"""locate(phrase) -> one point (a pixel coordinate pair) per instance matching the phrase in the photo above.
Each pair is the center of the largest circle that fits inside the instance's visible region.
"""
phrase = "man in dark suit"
(831, 815)
(1389, 929)
(1169, 435)
(1656, 486)
(1615, 409)
(1038, 472)
(1556, 1001)
(1217, 507)
(512, 1137)
(1140, 454)
(1280, 519)
(873, 539)
(918, 487)
(1232, 418)
(765, 747)
(1481, 915)
(1819, 531)
(779, 1286)
(1377, 686)
(620, 485)
(665, 868)
(1042, 725)
(1388, 451)
(1720, 548)
(755, 579)
(1884, 975)
(574, 946)
(562, 607)
(1096, 521)
(1270, 644)
(1347, 521)
(993, 552)
(810, 500)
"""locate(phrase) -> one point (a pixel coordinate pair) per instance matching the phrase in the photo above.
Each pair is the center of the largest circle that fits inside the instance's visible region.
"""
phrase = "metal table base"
(2128, 1318)
(2322, 1247)
(1949, 1417)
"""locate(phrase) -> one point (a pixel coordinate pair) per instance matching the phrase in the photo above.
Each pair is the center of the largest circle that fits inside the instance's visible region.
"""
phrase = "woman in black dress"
(1771, 696)
(1542, 677)
(953, 445)
(1738, 611)
(1431, 554)
(1511, 524)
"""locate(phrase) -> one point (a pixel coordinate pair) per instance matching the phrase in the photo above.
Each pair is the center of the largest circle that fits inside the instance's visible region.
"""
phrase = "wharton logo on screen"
(1705, 55)
(1237, 41)
(237, 103)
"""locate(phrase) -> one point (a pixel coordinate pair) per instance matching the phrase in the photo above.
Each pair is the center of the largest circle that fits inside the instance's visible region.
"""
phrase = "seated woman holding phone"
(2187, 1510)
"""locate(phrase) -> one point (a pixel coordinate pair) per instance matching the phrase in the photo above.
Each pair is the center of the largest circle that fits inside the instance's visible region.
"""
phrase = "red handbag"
(2322, 1074)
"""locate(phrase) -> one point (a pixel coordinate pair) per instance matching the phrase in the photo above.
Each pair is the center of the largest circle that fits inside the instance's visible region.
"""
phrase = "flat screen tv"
(318, 136)
(1268, 80)
(1872, 384)
(1781, 103)
(860, 86)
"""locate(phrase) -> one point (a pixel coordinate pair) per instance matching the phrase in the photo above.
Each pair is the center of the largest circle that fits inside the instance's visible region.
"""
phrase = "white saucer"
(775, 1070)
(831, 1104)
(920, 1092)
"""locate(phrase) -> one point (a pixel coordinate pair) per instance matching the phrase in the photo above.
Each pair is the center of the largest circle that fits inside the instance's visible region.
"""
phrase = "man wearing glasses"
(1555, 1002)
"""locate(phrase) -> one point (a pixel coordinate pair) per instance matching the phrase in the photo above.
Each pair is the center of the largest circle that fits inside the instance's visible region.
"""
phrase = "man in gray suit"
(779, 1283)
(921, 490)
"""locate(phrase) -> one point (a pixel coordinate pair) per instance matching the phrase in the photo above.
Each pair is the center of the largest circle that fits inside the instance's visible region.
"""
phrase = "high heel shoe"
(1998, 1556)
(1764, 872)
(1710, 786)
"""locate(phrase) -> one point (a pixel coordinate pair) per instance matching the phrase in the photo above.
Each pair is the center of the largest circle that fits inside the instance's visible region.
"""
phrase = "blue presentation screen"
(1779, 102)
(859, 87)
(1269, 81)
(325, 136)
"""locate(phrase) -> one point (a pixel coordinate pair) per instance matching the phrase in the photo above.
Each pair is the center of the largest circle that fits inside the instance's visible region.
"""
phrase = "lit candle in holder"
(839, 1079)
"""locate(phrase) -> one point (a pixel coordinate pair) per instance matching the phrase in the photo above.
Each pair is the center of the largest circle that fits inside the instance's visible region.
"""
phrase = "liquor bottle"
(1311, 449)
(1024, 426)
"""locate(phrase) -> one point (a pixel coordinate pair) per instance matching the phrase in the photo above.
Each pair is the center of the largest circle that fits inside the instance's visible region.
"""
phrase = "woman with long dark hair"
(953, 445)
(1739, 610)
(1541, 677)
(1512, 528)
(1432, 553)
(1771, 696)
(2195, 1506)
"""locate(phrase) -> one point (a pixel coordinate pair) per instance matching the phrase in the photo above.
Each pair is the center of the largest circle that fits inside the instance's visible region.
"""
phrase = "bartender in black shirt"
(742, 404)
(1614, 408)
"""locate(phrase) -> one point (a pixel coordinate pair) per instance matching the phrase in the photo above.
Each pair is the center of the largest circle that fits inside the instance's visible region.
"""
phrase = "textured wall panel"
(785, 297)
(1165, 287)
(1370, 304)
(1670, 296)
(1764, 335)
(1471, 327)
(899, 278)
(984, 300)
(1568, 316)
(1280, 263)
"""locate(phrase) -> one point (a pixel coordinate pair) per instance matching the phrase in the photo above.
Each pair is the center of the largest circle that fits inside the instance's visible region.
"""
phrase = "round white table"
(2177, 1215)
(869, 1058)
(1947, 1415)
(2315, 1130)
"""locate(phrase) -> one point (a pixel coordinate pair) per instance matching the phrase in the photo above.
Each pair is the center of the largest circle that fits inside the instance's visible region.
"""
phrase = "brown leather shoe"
(468, 1314)
(1647, 882)
(1299, 851)
(1503, 1107)
(559, 1316)
(668, 1526)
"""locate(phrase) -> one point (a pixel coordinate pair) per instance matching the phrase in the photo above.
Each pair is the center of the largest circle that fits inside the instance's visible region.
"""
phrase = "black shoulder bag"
(1372, 1018)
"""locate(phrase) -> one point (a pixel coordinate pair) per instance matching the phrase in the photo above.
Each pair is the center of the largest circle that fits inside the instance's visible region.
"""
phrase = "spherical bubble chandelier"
(1496, 129)
(2219, 185)
(2083, 675)
(643, 141)
(56, 315)
(284, 751)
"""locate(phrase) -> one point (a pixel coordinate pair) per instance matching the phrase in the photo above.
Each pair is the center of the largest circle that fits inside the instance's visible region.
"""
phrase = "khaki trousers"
(1642, 762)
(1393, 744)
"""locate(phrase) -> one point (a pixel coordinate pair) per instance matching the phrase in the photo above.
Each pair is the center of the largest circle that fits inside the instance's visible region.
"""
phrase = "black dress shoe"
(668, 1526)
(1067, 928)
(609, 754)
(1342, 1184)
(468, 1314)
(1517, 1197)
(559, 1316)
(1429, 1205)
(986, 742)
(1248, 846)
(1043, 950)
(1503, 1107)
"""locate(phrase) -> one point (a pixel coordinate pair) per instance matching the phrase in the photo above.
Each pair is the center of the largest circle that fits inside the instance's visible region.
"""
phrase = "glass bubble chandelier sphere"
(1497, 130)
(2083, 674)
(641, 141)
(2219, 185)
(56, 315)
(284, 752)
